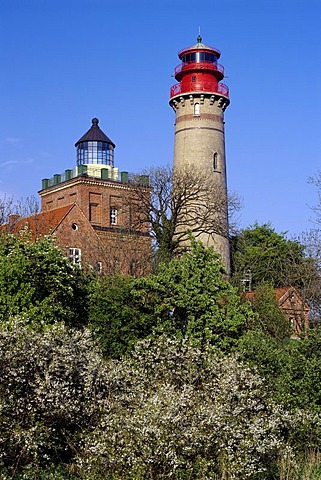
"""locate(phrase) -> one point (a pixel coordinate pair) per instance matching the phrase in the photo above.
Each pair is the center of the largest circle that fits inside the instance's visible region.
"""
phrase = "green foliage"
(304, 373)
(190, 298)
(270, 256)
(292, 368)
(32, 472)
(37, 281)
(116, 319)
(176, 407)
(270, 318)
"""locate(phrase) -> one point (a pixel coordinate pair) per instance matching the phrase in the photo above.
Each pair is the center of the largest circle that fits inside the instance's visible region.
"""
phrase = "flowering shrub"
(170, 411)
(182, 412)
(51, 388)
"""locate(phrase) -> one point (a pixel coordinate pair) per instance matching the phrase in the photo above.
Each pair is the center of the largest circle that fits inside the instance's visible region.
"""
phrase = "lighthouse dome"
(94, 147)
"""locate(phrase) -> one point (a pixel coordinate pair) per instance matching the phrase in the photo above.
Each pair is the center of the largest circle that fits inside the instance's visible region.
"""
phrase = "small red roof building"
(295, 310)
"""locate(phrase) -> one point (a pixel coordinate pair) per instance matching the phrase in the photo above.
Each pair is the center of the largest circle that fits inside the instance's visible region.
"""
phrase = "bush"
(52, 387)
(181, 412)
(37, 281)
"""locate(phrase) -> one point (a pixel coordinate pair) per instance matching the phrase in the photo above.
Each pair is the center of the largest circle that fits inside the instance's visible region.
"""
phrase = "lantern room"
(199, 71)
(95, 147)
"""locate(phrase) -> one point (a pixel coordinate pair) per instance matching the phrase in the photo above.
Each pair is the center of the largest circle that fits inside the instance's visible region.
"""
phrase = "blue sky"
(64, 62)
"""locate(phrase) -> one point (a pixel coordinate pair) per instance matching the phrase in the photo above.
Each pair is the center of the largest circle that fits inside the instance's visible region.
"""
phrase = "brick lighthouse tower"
(199, 101)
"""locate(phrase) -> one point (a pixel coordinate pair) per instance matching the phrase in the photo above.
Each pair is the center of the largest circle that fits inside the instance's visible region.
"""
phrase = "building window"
(193, 78)
(215, 161)
(99, 267)
(75, 256)
(95, 153)
(196, 108)
(113, 216)
(74, 226)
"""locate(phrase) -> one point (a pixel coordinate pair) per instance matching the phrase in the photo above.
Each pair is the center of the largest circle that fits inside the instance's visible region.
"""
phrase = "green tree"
(300, 382)
(292, 368)
(37, 281)
(188, 297)
(269, 255)
(116, 318)
(191, 298)
(270, 318)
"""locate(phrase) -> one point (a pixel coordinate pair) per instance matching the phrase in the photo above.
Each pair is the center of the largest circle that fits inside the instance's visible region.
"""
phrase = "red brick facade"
(102, 223)
(77, 213)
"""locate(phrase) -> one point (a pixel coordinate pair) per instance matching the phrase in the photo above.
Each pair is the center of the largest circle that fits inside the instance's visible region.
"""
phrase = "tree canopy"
(178, 391)
(269, 256)
(188, 297)
(38, 282)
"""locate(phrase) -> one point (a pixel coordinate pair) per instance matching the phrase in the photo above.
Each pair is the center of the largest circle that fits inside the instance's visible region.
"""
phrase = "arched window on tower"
(215, 158)
(196, 108)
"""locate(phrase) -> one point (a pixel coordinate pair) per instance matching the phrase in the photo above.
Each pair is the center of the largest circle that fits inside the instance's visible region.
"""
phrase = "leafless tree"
(179, 203)
(316, 181)
(6, 208)
(19, 208)
(309, 273)
(26, 207)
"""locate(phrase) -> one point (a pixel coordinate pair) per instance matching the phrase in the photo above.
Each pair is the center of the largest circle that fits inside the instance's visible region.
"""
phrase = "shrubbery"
(37, 281)
(169, 411)
(182, 380)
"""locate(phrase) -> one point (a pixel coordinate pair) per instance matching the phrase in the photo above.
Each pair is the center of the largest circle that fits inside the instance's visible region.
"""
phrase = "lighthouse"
(199, 100)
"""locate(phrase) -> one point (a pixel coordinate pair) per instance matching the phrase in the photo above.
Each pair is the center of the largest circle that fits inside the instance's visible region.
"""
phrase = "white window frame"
(197, 111)
(99, 267)
(75, 256)
(113, 216)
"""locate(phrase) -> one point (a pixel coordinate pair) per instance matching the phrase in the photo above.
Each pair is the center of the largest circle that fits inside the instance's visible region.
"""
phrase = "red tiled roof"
(279, 292)
(43, 223)
(249, 295)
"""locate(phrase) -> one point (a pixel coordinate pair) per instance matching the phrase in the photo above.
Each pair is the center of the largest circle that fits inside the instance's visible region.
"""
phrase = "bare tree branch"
(180, 203)
(21, 208)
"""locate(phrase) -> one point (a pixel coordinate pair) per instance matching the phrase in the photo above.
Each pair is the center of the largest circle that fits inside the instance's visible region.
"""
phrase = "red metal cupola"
(199, 71)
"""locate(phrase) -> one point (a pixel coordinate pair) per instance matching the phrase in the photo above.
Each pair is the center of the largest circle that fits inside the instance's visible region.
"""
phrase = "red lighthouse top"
(199, 71)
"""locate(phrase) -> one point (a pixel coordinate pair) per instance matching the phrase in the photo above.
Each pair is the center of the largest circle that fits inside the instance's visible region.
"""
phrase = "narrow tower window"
(113, 216)
(196, 108)
(215, 161)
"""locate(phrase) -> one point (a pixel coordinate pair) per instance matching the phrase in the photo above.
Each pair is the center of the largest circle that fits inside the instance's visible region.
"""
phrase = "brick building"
(294, 309)
(94, 212)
